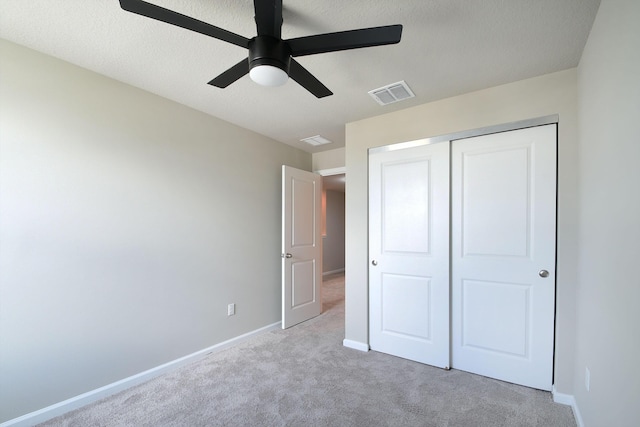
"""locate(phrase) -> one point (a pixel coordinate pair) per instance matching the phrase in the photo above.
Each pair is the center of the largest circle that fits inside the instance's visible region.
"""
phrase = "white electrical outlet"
(231, 309)
(587, 378)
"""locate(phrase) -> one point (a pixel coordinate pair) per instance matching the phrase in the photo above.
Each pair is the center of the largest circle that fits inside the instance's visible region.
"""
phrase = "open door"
(301, 246)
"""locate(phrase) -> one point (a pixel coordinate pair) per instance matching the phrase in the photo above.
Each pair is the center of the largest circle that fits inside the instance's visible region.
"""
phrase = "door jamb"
(332, 171)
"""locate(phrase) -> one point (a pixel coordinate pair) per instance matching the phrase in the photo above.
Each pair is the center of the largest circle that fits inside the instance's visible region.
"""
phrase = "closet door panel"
(409, 253)
(503, 214)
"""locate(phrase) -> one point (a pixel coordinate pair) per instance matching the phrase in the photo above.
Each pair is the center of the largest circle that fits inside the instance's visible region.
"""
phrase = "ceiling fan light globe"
(268, 75)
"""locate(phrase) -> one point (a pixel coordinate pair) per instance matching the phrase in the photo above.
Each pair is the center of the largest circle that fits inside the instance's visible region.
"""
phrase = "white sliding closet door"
(409, 253)
(501, 228)
(503, 220)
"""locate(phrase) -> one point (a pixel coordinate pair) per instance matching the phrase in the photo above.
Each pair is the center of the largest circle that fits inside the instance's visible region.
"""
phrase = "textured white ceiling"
(448, 47)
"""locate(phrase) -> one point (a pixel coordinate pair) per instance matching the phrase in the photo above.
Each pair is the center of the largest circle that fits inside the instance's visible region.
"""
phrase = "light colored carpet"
(305, 377)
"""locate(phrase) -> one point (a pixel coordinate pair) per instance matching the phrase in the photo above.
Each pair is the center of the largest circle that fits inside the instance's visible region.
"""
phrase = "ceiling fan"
(270, 61)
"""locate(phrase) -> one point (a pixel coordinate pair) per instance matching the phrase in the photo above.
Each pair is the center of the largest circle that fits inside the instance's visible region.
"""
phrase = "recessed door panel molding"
(496, 317)
(301, 246)
(503, 234)
(496, 201)
(400, 316)
(405, 206)
(409, 253)
(303, 225)
(303, 286)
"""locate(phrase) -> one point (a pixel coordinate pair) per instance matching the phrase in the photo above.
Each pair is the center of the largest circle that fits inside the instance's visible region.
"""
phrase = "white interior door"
(409, 253)
(301, 246)
(503, 255)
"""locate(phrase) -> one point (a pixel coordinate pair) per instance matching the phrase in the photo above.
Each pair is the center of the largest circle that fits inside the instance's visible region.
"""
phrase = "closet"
(462, 239)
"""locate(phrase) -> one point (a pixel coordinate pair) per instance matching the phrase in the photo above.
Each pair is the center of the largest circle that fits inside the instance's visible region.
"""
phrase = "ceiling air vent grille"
(316, 140)
(392, 93)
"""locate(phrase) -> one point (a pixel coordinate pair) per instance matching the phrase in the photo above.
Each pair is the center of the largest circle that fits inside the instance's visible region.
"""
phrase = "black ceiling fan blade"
(231, 75)
(170, 17)
(268, 17)
(344, 40)
(305, 79)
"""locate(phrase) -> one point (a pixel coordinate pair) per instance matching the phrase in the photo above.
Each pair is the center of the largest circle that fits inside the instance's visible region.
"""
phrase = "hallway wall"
(333, 242)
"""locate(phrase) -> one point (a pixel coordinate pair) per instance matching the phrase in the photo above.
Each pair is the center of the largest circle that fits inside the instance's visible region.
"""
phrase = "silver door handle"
(374, 262)
(543, 273)
(287, 255)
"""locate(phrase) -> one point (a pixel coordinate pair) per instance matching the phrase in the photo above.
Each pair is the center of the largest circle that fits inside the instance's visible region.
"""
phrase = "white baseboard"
(76, 402)
(326, 273)
(356, 345)
(570, 400)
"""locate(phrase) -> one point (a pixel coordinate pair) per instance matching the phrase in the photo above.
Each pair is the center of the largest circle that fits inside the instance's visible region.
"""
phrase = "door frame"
(505, 127)
(331, 172)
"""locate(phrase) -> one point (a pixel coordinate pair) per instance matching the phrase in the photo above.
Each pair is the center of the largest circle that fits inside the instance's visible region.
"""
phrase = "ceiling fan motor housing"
(267, 50)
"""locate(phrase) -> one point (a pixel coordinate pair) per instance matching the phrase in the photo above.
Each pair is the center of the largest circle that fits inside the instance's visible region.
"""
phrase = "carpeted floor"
(305, 377)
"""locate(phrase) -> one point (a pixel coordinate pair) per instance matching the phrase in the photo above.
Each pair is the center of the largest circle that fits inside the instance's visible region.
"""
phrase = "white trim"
(570, 400)
(326, 273)
(352, 344)
(76, 402)
(333, 171)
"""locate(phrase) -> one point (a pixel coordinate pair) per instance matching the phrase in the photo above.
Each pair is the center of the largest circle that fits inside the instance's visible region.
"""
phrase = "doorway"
(333, 224)
(333, 236)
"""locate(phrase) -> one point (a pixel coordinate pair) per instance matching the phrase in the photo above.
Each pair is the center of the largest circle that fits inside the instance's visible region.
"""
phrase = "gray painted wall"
(127, 224)
(608, 332)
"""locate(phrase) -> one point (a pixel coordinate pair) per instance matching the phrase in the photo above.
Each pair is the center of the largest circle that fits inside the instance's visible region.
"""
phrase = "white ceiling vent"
(316, 140)
(392, 93)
